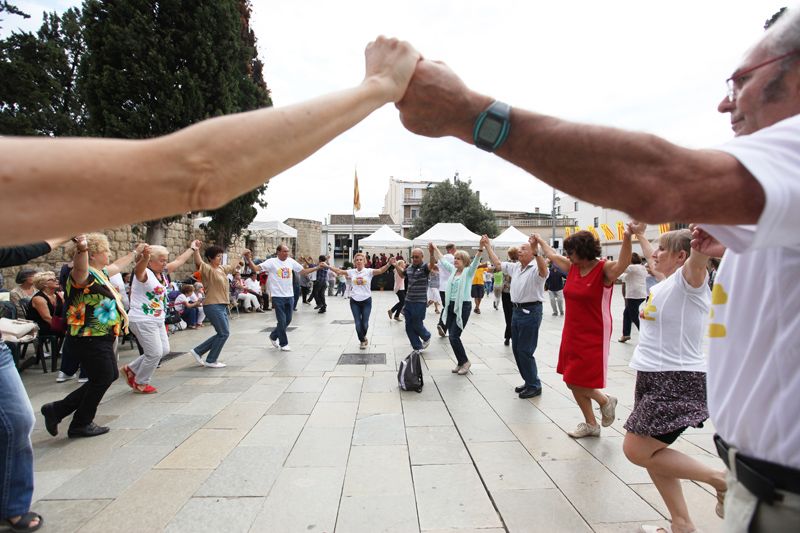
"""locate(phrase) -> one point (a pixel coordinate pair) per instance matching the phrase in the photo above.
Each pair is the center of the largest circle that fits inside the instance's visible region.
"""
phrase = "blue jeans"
(454, 332)
(361, 311)
(189, 316)
(414, 313)
(218, 316)
(16, 450)
(525, 324)
(283, 307)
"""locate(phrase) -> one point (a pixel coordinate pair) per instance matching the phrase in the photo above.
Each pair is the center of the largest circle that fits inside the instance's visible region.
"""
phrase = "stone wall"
(309, 235)
(178, 236)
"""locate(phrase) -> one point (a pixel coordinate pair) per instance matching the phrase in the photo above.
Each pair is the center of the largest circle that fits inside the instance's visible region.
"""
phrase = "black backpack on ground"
(409, 377)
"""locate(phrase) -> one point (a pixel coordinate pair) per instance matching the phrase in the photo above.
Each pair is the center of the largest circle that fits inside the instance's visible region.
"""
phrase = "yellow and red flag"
(567, 231)
(620, 230)
(663, 228)
(607, 232)
(356, 195)
(577, 229)
(593, 232)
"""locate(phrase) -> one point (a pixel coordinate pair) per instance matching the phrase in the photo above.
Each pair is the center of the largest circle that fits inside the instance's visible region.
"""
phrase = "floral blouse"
(92, 308)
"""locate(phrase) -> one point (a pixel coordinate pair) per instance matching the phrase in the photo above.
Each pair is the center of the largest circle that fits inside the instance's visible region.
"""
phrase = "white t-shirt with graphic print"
(280, 276)
(362, 281)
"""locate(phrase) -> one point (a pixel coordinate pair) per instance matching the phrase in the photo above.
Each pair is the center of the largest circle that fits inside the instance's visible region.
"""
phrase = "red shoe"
(130, 377)
(144, 389)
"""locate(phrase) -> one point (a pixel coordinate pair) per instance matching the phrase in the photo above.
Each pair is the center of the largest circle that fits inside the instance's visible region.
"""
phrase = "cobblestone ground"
(294, 441)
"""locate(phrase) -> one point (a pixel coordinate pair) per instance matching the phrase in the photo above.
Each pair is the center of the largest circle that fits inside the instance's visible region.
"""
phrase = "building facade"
(403, 201)
(340, 236)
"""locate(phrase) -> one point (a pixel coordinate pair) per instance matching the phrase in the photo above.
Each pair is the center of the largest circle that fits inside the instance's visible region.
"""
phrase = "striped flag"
(607, 232)
(577, 229)
(356, 195)
(567, 231)
(663, 228)
(620, 230)
(593, 232)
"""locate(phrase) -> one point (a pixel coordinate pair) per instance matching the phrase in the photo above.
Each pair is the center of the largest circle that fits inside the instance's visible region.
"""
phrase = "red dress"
(585, 340)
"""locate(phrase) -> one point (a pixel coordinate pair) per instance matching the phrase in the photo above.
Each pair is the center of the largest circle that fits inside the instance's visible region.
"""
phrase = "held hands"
(140, 248)
(637, 228)
(247, 254)
(485, 242)
(195, 245)
(534, 241)
(704, 243)
(392, 260)
(145, 253)
(390, 63)
(81, 243)
(431, 248)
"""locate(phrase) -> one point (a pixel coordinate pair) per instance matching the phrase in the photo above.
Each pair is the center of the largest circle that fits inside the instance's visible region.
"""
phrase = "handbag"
(18, 330)
(58, 324)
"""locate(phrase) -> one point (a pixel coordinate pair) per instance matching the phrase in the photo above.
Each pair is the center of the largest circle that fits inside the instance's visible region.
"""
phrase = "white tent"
(385, 237)
(510, 237)
(448, 232)
(272, 228)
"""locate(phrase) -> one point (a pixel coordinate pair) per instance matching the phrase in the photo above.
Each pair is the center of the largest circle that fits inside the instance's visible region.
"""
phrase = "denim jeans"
(16, 424)
(100, 364)
(525, 324)
(361, 311)
(454, 332)
(283, 307)
(218, 316)
(631, 315)
(189, 316)
(414, 313)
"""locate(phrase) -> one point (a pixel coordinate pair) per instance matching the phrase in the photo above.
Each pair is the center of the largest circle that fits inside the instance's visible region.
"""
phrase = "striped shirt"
(417, 277)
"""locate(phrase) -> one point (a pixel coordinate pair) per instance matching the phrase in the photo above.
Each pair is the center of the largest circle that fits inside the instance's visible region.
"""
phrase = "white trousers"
(152, 337)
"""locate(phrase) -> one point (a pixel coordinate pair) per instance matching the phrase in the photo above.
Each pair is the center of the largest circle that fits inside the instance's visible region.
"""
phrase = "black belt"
(760, 477)
(524, 304)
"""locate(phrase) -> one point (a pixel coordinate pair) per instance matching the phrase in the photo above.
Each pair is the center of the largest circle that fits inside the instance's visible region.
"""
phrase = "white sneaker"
(83, 380)
(584, 430)
(62, 377)
(197, 357)
(215, 364)
(464, 370)
(425, 344)
(276, 343)
(609, 411)
(363, 345)
(286, 348)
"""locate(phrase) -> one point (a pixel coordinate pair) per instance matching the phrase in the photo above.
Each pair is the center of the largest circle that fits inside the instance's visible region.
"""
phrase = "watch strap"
(497, 110)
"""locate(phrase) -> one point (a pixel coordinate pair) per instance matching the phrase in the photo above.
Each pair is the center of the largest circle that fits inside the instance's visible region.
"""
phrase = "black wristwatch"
(492, 126)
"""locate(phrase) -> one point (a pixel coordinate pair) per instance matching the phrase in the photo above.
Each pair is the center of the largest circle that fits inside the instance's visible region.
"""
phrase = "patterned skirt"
(668, 401)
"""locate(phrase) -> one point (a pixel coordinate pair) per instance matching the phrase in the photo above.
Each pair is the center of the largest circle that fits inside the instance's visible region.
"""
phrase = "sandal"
(24, 522)
(645, 528)
(720, 508)
(130, 376)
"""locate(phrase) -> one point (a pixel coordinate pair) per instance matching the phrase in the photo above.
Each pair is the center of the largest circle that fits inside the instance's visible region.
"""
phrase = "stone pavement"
(293, 441)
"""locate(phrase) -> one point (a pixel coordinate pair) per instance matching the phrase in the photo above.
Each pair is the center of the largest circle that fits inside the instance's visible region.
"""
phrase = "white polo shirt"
(280, 276)
(526, 283)
(444, 274)
(754, 357)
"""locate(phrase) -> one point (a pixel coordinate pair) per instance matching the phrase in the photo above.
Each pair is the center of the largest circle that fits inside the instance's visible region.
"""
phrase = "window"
(558, 210)
(576, 206)
(414, 213)
(596, 222)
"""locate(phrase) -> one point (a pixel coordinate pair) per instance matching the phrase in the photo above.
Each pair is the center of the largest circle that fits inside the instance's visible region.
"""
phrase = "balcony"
(412, 201)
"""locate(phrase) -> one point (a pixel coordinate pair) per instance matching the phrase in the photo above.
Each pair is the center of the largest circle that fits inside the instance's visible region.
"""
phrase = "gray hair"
(783, 36)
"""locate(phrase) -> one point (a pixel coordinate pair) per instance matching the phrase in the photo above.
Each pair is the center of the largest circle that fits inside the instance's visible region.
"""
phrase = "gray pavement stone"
(216, 514)
(321, 447)
(379, 429)
(436, 446)
(294, 403)
(539, 511)
(426, 414)
(508, 466)
(246, 471)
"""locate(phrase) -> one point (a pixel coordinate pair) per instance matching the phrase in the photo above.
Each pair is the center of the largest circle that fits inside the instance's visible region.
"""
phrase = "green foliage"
(11, 8)
(454, 202)
(38, 79)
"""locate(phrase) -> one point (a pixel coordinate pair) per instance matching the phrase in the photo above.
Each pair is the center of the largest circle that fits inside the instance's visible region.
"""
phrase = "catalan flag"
(607, 232)
(577, 229)
(567, 231)
(356, 195)
(620, 230)
(593, 232)
(663, 228)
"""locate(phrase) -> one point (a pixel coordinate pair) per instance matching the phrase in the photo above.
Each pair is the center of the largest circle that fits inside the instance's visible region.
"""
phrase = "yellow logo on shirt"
(285, 273)
(360, 281)
(649, 309)
(718, 297)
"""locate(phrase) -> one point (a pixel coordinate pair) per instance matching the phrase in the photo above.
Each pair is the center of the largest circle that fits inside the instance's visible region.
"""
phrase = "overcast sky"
(658, 67)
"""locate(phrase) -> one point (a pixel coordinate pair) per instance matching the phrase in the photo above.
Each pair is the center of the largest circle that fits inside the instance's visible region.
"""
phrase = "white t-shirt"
(635, 285)
(362, 280)
(280, 276)
(754, 357)
(116, 281)
(526, 284)
(253, 285)
(180, 302)
(148, 299)
(444, 274)
(672, 326)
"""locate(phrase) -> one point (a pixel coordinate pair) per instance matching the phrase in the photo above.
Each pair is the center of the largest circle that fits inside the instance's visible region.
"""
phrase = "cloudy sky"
(650, 66)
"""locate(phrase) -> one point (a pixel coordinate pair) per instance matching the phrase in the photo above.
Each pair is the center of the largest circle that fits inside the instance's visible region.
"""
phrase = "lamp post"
(555, 199)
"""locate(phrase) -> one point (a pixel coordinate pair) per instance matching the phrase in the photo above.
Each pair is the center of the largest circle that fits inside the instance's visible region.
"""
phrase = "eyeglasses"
(733, 86)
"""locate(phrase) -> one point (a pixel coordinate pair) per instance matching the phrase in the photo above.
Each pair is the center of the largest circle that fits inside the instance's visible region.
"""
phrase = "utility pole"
(555, 199)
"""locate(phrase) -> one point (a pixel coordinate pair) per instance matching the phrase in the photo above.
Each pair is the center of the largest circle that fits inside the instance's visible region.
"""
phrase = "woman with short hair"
(24, 291)
(186, 307)
(149, 305)
(47, 310)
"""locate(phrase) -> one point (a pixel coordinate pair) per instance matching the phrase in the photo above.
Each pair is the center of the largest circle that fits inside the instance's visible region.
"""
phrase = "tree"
(38, 79)
(11, 8)
(154, 67)
(454, 202)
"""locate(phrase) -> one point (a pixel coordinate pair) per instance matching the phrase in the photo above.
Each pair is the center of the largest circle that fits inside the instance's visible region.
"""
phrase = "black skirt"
(668, 401)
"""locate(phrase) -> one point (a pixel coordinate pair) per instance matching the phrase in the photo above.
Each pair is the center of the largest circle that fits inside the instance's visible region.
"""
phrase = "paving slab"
(321, 447)
(436, 446)
(204, 449)
(379, 429)
(216, 514)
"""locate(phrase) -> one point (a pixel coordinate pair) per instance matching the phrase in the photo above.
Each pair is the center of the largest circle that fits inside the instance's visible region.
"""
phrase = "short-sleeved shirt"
(526, 284)
(216, 284)
(754, 330)
(180, 302)
(417, 279)
(148, 298)
(477, 279)
(362, 281)
(280, 277)
(92, 307)
(635, 284)
(444, 274)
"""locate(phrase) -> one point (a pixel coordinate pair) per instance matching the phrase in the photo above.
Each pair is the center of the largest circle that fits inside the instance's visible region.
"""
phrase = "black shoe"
(316, 307)
(91, 430)
(530, 392)
(520, 388)
(50, 419)
(322, 310)
(507, 342)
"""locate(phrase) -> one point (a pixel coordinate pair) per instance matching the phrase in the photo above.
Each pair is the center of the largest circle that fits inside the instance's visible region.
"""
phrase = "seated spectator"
(199, 295)
(23, 291)
(239, 293)
(47, 308)
(187, 308)
(254, 288)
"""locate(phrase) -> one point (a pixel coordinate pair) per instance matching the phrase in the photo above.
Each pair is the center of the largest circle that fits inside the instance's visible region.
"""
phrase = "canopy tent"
(510, 237)
(272, 228)
(384, 237)
(448, 232)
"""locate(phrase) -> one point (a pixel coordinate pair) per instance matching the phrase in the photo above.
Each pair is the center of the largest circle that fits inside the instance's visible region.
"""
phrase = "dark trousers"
(295, 295)
(97, 359)
(361, 311)
(414, 313)
(69, 358)
(319, 294)
(454, 332)
(189, 316)
(507, 309)
(283, 314)
(304, 293)
(442, 318)
(631, 315)
(401, 300)
(525, 324)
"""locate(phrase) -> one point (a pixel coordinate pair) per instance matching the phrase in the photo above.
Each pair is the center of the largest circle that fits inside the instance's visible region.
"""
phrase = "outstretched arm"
(487, 245)
(195, 169)
(119, 265)
(606, 166)
(614, 269)
(181, 259)
(561, 262)
(376, 271)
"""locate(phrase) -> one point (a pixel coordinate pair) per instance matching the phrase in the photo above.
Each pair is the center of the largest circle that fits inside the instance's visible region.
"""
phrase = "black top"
(57, 310)
(19, 255)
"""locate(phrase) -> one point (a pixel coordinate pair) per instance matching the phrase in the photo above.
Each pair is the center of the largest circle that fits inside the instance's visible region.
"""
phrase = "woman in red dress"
(583, 358)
